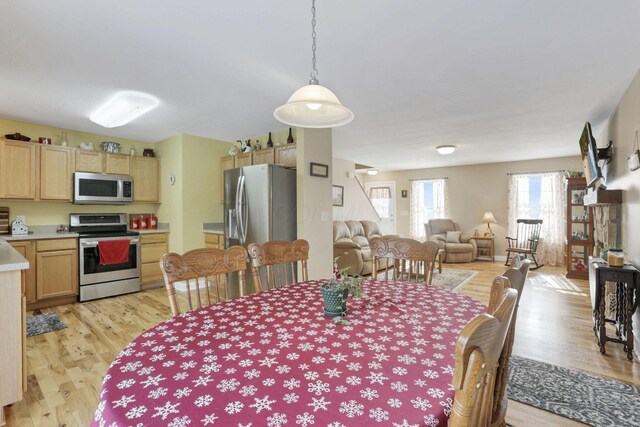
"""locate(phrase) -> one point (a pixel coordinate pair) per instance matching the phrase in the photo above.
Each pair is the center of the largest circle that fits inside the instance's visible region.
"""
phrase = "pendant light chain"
(314, 72)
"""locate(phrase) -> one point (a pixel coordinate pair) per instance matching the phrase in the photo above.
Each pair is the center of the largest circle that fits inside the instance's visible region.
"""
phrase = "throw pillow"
(453, 236)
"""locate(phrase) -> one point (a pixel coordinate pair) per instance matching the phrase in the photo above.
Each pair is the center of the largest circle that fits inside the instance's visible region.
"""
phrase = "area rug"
(449, 278)
(43, 323)
(572, 394)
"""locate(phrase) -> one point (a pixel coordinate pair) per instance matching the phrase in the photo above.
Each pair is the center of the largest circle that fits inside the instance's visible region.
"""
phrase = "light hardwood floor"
(66, 367)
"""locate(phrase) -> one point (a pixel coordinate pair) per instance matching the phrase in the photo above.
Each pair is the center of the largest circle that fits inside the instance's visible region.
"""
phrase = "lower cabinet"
(52, 278)
(212, 240)
(153, 247)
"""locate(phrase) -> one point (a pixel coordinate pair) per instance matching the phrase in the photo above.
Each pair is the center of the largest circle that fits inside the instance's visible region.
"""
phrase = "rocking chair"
(526, 240)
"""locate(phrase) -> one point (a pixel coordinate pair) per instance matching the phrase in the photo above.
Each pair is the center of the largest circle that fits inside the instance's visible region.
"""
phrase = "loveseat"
(351, 245)
(447, 234)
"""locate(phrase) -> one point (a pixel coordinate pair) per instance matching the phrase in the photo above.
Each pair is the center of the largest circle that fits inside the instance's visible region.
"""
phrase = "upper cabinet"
(88, 161)
(264, 156)
(117, 164)
(98, 162)
(56, 170)
(244, 159)
(286, 155)
(17, 170)
(146, 179)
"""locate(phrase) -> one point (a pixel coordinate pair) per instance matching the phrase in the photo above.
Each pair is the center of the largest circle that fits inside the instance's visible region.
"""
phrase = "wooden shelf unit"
(579, 229)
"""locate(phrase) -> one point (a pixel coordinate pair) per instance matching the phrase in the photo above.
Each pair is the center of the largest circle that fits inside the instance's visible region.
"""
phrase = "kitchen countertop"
(163, 227)
(10, 259)
(40, 232)
(213, 227)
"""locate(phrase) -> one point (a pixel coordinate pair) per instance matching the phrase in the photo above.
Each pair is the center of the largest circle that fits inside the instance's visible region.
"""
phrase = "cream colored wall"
(620, 129)
(356, 203)
(473, 189)
(50, 213)
(170, 211)
(314, 199)
(201, 187)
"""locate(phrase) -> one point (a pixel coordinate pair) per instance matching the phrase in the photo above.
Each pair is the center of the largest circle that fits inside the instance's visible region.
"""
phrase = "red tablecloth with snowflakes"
(274, 359)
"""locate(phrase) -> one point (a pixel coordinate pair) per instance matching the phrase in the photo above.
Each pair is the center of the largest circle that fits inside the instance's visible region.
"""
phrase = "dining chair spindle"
(275, 263)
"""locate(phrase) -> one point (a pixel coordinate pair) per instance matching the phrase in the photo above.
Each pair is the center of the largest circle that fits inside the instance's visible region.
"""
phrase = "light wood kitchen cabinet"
(146, 179)
(17, 170)
(117, 164)
(243, 159)
(27, 249)
(56, 171)
(286, 155)
(89, 161)
(226, 162)
(264, 156)
(56, 268)
(214, 240)
(153, 247)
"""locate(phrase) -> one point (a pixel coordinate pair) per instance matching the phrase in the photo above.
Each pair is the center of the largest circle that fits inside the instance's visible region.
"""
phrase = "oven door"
(91, 271)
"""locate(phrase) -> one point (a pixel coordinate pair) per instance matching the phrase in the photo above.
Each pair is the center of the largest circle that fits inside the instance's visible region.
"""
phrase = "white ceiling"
(502, 80)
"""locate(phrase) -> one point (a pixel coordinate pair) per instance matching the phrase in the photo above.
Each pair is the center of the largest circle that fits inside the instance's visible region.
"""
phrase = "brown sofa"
(465, 250)
(351, 245)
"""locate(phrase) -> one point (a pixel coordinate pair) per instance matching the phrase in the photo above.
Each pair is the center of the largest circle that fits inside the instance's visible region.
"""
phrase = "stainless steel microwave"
(100, 188)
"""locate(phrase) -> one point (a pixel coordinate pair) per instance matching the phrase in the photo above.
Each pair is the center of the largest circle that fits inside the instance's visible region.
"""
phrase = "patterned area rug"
(43, 323)
(449, 278)
(572, 394)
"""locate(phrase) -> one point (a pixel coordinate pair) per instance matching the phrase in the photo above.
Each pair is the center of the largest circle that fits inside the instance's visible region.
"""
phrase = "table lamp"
(489, 219)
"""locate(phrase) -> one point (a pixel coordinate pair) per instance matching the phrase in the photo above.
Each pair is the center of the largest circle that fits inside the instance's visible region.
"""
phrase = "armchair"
(447, 235)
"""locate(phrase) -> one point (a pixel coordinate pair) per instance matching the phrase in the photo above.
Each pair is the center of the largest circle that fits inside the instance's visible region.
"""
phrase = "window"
(381, 200)
(429, 199)
(541, 196)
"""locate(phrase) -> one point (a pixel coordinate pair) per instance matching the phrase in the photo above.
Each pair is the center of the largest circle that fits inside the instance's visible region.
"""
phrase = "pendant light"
(313, 106)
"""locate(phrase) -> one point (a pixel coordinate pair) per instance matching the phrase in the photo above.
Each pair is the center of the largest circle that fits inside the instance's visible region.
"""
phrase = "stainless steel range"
(104, 280)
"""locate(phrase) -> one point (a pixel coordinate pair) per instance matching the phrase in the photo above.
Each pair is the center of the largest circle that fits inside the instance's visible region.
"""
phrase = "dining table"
(274, 359)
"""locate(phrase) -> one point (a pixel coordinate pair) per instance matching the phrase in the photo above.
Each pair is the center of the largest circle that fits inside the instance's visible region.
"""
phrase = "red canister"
(133, 224)
(152, 222)
(142, 223)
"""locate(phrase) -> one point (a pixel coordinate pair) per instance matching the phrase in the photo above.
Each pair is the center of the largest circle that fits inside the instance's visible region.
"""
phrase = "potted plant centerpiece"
(336, 291)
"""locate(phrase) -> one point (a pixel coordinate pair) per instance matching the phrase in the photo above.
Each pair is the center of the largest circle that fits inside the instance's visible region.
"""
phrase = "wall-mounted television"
(589, 151)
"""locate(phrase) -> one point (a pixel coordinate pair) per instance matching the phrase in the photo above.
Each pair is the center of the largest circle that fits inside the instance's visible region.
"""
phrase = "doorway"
(383, 198)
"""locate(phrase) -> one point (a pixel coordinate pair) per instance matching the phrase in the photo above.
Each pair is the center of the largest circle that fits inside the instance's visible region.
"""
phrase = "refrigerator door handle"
(242, 211)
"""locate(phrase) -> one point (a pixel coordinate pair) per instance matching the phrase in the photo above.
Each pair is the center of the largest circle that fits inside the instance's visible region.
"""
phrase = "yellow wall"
(170, 210)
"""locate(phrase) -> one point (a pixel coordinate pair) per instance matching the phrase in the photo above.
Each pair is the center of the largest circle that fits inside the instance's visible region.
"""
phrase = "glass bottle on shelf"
(290, 137)
(63, 139)
(269, 142)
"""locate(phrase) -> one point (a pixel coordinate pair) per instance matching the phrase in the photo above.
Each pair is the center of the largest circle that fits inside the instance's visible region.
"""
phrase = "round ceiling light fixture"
(372, 172)
(446, 149)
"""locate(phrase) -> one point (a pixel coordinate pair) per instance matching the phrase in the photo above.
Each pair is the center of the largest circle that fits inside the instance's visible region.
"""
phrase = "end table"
(486, 247)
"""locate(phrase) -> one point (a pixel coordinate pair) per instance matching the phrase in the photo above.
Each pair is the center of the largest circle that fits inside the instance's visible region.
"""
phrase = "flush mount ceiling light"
(313, 106)
(372, 172)
(446, 149)
(122, 108)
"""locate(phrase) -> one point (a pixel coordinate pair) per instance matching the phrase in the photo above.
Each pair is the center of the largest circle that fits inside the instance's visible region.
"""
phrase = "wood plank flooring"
(66, 367)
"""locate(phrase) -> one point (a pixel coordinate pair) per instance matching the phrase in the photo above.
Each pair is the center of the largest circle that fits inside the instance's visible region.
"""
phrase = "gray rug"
(572, 394)
(449, 278)
(43, 323)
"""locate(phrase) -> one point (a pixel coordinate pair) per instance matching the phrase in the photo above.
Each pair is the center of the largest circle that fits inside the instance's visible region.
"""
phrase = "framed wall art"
(318, 169)
(338, 195)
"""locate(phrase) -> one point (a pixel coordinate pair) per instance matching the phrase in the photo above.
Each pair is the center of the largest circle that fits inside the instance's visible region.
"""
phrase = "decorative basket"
(335, 301)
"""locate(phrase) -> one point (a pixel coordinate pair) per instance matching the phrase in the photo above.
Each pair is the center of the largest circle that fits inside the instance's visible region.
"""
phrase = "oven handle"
(94, 243)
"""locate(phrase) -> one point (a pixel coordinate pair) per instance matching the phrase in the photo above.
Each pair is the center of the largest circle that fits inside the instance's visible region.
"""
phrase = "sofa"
(447, 234)
(351, 245)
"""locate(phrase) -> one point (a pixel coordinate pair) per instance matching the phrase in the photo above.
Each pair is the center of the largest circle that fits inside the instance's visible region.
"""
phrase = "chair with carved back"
(517, 276)
(476, 358)
(526, 241)
(204, 273)
(407, 259)
(275, 263)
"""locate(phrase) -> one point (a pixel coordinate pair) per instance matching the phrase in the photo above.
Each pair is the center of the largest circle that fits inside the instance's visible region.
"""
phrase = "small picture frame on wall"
(338, 195)
(404, 194)
(318, 169)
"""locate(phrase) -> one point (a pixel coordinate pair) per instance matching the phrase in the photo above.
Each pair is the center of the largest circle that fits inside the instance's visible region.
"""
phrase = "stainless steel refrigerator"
(259, 205)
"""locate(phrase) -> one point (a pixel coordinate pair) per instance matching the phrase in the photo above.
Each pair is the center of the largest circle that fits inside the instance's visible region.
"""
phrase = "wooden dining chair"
(476, 359)
(275, 263)
(408, 259)
(517, 276)
(204, 272)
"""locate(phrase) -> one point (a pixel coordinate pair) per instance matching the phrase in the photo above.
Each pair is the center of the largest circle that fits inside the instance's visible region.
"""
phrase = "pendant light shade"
(313, 106)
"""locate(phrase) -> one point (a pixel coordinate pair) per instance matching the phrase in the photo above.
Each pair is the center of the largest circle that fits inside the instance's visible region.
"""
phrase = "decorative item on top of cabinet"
(290, 137)
(270, 141)
(146, 179)
(63, 139)
(579, 229)
(56, 169)
(17, 170)
(152, 248)
(286, 155)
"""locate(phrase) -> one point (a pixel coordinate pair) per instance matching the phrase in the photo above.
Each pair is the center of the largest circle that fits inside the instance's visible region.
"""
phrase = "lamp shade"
(489, 218)
(313, 106)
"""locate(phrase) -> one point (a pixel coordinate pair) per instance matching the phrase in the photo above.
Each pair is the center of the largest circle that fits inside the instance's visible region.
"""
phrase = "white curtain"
(418, 215)
(553, 212)
(518, 201)
(416, 210)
